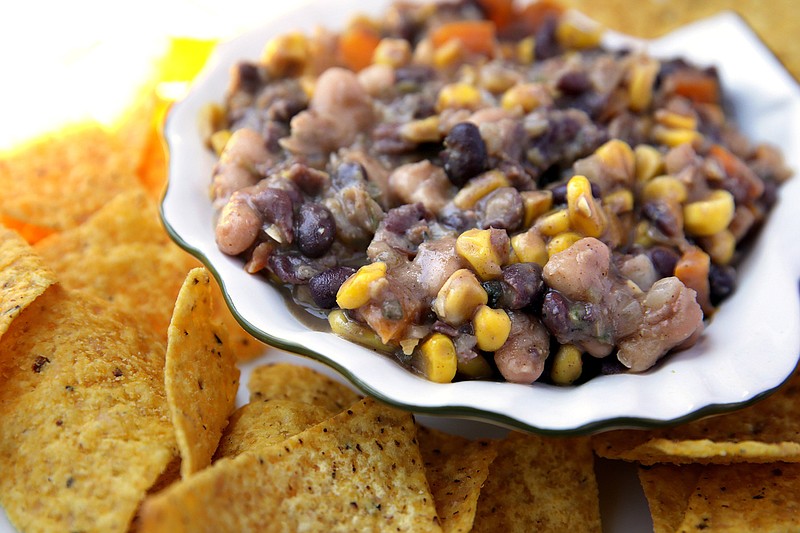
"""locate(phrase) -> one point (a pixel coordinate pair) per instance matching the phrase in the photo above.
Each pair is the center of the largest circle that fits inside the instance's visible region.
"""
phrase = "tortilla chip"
(200, 374)
(84, 423)
(257, 425)
(245, 346)
(456, 469)
(23, 277)
(57, 182)
(741, 497)
(283, 381)
(359, 471)
(540, 484)
(764, 432)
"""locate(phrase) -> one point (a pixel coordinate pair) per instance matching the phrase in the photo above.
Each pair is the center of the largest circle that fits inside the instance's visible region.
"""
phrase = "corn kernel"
(526, 51)
(458, 298)
(671, 119)
(648, 161)
(528, 247)
(553, 223)
(309, 85)
(437, 358)
(642, 235)
(447, 55)
(355, 291)
(665, 188)
(478, 187)
(673, 137)
(720, 246)
(211, 120)
(585, 215)
(618, 156)
(286, 55)
(578, 32)
(392, 52)
(525, 96)
(536, 203)
(709, 216)
(640, 83)
(492, 327)
(619, 201)
(562, 241)
(486, 250)
(422, 130)
(351, 330)
(475, 368)
(219, 139)
(458, 95)
(567, 365)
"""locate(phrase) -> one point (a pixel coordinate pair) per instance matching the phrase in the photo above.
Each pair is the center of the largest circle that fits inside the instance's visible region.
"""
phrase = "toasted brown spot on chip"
(78, 448)
(23, 276)
(282, 381)
(196, 355)
(540, 484)
(289, 486)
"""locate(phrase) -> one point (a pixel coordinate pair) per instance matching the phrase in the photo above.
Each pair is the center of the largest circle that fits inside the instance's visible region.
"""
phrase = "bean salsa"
(483, 191)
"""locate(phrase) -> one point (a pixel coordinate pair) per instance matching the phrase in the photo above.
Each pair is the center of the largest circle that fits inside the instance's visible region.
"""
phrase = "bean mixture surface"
(483, 191)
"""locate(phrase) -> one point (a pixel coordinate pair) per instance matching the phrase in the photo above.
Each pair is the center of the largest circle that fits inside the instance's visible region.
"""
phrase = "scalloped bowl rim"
(749, 349)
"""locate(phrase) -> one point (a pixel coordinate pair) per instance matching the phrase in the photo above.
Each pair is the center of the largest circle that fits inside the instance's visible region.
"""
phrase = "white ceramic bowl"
(749, 348)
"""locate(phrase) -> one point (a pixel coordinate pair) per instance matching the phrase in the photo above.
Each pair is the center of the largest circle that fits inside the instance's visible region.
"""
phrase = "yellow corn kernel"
(709, 216)
(640, 83)
(673, 137)
(492, 327)
(665, 188)
(353, 331)
(286, 55)
(578, 32)
(553, 223)
(642, 235)
(585, 215)
(526, 51)
(567, 365)
(437, 358)
(458, 95)
(525, 96)
(449, 54)
(528, 247)
(562, 241)
(484, 254)
(219, 139)
(618, 155)
(648, 161)
(720, 246)
(478, 187)
(536, 203)
(392, 52)
(309, 85)
(619, 201)
(458, 298)
(475, 368)
(671, 119)
(355, 291)
(422, 130)
(210, 120)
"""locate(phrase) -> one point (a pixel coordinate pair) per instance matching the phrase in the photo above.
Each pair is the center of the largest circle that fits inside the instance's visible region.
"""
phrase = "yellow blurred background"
(68, 61)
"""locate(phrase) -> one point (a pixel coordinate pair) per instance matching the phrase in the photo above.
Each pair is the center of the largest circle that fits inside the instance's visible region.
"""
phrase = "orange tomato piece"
(477, 36)
(357, 46)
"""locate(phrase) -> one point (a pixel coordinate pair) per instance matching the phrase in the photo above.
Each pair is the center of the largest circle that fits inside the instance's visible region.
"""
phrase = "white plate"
(749, 348)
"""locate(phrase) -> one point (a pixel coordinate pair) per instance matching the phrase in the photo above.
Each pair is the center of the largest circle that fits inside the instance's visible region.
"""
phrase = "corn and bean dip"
(484, 191)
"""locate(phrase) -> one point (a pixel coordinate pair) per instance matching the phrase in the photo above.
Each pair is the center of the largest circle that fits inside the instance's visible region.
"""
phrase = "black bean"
(466, 155)
(722, 282)
(502, 209)
(288, 269)
(276, 207)
(248, 77)
(574, 83)
(314, 230)
(522, 285)
(414, 74)
(494, 289)
(347, 174)
(325, 285)
(662, 217)
(664, 260)
(555, 314)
